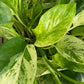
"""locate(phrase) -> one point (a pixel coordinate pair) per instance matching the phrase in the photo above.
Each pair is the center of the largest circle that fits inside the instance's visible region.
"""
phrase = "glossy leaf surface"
(7, 31)
(17, 65)
(71, 53)
(9, 49)
(5, 14)
(54, 24)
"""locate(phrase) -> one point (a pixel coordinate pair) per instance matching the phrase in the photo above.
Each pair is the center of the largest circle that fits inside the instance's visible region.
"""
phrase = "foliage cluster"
(45, 42)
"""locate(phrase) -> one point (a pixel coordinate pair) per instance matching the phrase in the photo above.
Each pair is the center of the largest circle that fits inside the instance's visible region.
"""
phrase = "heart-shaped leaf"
(70, 53)
(17, 65)
(54, 24)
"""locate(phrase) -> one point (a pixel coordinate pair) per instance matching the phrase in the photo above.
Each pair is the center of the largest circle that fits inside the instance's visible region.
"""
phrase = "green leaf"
(80, 5)
(65, 1)
(7, 31)
(35, 82)
(71, 53)
(46, 79)
(37, 9)
(13, 4)
(17, 65)
(28, 66)
(74, 75)
(78, 20)
(41, 67)
(31, 6)
(82, 75)
(5, 14)
(23, 10)
(29, 10)
(54, 24)
(34, 13)
(77, 31)
(50, 3)
(9, 49)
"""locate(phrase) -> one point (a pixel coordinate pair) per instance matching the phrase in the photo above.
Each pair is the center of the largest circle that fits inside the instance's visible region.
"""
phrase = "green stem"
(20, 21)
(17, 29)
(49, 67)
(50, 51)
(27, 39)
(52, 71)
(64, 76)
(26, 28)
(69, 79)
(51, 46)
(34, 20)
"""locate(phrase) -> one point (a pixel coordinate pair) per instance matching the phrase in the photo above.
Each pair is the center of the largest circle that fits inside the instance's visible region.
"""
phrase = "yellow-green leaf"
(54, 24)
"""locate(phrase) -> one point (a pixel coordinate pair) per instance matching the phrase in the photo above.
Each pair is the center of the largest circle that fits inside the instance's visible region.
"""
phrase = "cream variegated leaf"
(70, 53)
(20, 65)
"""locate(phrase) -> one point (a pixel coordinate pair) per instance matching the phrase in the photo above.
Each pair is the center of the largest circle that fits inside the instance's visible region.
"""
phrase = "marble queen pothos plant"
(45, 42)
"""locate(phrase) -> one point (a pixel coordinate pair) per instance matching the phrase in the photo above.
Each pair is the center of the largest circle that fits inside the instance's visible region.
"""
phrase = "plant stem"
(69, 79)
(51, 70)
(17, 29)
(34, 20)
(64, 76)
(48, 66)
(26, 28)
